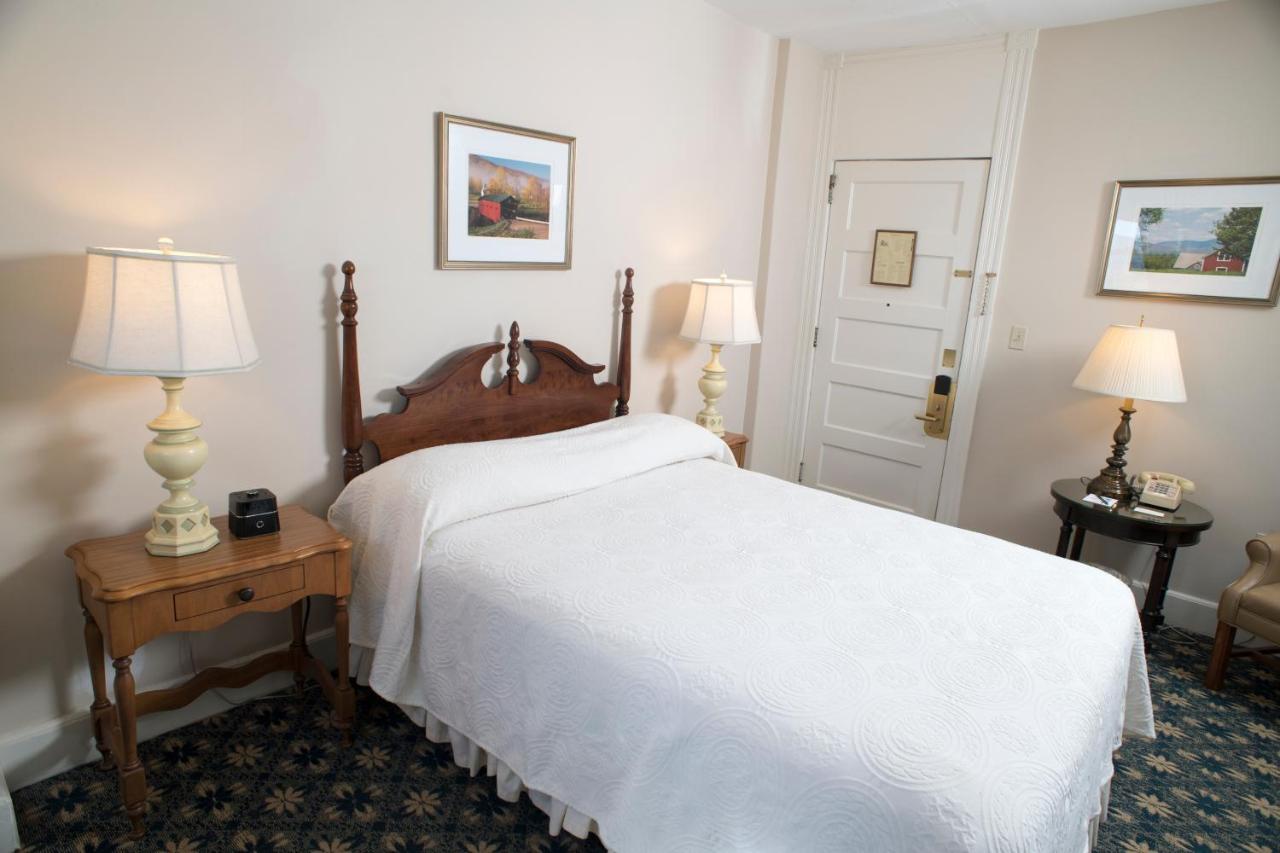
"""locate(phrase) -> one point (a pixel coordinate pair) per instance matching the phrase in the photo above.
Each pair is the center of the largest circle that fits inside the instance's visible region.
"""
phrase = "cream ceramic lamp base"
(159, 312)
(721, 311)
(712, 385)
(180, 525)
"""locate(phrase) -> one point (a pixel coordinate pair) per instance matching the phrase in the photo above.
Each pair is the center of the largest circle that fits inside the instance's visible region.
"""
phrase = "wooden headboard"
(452, 404)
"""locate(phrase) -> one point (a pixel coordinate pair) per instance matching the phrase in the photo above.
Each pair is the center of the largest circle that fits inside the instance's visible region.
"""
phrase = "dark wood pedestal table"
(1169, 531)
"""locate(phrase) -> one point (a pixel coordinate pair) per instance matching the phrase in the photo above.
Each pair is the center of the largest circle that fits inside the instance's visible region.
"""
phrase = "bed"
(676, 654)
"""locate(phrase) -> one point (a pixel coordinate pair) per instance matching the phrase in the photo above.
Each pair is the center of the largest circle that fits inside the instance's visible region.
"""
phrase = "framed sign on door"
(894, 257)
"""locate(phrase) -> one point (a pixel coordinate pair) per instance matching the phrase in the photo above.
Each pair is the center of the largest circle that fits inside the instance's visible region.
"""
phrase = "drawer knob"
(246, 594)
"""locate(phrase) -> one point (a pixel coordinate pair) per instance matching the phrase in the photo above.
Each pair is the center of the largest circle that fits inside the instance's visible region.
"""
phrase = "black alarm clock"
(252, 512)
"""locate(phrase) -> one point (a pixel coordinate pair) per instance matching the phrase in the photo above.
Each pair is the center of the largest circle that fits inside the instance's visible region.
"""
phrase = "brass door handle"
(928, 418)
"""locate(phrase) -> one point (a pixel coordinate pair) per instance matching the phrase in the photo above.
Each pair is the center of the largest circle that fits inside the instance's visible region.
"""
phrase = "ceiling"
(860, 26)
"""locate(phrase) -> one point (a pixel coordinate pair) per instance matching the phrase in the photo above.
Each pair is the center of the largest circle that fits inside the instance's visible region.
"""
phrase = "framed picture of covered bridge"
(505, 196)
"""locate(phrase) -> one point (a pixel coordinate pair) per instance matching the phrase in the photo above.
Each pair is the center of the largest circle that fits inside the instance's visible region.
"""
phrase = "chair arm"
(1264, 568)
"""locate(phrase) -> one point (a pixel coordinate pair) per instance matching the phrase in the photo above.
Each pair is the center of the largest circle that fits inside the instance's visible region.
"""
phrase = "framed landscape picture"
(505, 196)
(1210, 240)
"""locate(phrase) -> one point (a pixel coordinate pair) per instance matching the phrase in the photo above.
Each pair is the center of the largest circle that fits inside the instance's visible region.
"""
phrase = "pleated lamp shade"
(1136, 362)
(162, 313)
(721, 311)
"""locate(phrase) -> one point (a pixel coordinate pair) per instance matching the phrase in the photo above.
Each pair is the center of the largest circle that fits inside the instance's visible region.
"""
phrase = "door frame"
(1019, 52)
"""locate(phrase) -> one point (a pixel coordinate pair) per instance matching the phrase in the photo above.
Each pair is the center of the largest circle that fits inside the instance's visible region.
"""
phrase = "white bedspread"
(700, 658)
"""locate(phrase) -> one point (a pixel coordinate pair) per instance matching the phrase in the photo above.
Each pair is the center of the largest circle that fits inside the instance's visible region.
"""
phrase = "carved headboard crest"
(453, 404)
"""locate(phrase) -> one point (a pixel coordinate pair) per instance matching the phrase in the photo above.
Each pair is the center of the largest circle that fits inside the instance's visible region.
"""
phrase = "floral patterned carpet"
(271, 776)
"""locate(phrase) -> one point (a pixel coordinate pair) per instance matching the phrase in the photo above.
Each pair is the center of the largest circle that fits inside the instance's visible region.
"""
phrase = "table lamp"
(1136, 363)
(721, 311)
(170, 315)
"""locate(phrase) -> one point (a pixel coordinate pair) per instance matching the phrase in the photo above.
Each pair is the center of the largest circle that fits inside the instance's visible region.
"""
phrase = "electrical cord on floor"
(287, 694)
(1177, 636)
(1186, 638)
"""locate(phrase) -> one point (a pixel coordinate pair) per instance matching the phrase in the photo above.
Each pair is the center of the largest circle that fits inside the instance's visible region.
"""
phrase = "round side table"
(1168, 532)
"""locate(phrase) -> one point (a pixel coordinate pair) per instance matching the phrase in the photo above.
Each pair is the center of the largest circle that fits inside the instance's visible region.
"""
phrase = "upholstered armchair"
(1252, 603)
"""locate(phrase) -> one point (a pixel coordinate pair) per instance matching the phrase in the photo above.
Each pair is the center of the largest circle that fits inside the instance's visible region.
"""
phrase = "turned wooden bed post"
(352, 414)
(513, 359)
(624, 348)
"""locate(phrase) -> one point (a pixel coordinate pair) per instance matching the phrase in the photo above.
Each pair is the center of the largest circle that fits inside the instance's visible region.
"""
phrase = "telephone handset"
(1157, 488)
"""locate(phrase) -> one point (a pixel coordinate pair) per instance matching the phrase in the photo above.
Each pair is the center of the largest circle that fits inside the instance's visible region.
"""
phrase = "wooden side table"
(130, 597)
(1168, 532)
(738, 444)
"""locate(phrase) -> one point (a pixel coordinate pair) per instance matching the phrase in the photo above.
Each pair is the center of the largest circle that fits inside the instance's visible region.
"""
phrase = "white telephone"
(1157, 488)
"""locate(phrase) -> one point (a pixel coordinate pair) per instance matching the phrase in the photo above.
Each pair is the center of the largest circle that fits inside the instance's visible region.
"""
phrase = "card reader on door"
(937, 413)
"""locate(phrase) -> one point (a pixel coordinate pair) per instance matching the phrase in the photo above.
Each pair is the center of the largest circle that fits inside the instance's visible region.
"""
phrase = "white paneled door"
(880, 349)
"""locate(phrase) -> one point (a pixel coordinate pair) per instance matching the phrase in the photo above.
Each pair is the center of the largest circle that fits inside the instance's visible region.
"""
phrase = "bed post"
(513, 358)
(624, 347)
(352, 415)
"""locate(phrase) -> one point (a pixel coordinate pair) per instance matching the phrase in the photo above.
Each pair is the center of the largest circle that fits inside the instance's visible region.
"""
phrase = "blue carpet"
(271, 776)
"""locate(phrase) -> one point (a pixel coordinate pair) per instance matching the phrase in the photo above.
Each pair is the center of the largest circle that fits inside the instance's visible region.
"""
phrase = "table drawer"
(209, 599)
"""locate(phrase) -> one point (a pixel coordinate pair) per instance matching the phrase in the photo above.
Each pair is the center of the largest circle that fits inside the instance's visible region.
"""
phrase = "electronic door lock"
(937, 413)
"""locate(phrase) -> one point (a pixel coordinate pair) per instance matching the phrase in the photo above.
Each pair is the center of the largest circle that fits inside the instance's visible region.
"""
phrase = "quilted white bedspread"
(702, 658)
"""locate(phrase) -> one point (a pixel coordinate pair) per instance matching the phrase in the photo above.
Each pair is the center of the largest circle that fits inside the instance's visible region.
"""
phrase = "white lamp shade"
(162, 313)
(721, 311)
(1135, 361)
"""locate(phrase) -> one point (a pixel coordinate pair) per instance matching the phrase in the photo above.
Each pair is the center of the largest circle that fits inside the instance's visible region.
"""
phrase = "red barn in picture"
(497, 206)
(1215, 261)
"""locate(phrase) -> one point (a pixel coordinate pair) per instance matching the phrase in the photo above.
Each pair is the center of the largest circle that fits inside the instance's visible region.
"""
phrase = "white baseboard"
(9, 840)
(1184, 611)
(46, 749)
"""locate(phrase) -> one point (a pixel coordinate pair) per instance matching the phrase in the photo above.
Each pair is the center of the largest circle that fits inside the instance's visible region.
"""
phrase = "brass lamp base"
(1111, 481)
(1109, 484)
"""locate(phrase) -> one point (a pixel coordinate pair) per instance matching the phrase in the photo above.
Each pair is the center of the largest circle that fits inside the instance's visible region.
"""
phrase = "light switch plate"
(1017, 337)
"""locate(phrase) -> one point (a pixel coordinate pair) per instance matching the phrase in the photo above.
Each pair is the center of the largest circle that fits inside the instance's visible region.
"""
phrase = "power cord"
(1186, 638)
(1177, 636)
(189, 647)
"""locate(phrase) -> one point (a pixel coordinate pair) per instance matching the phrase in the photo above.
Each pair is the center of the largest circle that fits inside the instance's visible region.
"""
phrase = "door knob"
(927, 418)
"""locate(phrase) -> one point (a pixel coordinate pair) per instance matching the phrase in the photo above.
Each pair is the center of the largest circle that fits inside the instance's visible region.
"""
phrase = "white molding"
(811, 278)
(53, 746)
(1019, 55)
(1019, 50)
(9, 840)
(981, 43)
(1184, 611)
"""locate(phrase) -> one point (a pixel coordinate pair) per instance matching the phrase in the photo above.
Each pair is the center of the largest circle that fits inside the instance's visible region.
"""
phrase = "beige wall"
(1187, 94)
(294, 135)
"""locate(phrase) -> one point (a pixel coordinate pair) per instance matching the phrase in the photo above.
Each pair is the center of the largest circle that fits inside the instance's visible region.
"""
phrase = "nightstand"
(1168, 530)
(130, 597)
(738, 444)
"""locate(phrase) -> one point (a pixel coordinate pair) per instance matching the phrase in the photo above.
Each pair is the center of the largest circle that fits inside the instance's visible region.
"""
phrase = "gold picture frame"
(893, 257)
(1127, 269)
(535, 168)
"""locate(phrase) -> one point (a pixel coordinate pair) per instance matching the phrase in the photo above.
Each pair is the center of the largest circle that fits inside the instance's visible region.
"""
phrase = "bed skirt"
(474, 758)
